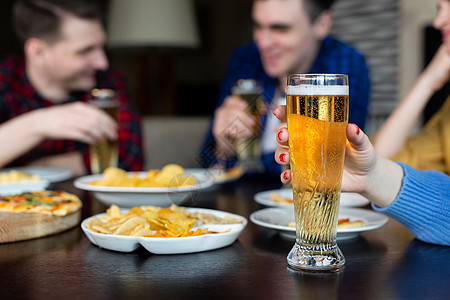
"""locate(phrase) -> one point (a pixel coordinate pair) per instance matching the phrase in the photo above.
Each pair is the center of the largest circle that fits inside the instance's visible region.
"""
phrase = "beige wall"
(415, 14)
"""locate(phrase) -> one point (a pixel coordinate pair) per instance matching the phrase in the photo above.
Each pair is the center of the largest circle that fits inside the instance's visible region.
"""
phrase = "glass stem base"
(326, 258)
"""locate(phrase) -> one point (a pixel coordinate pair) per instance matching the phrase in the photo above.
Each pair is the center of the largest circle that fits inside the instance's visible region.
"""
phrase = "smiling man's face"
(287, 40)
(74, 59)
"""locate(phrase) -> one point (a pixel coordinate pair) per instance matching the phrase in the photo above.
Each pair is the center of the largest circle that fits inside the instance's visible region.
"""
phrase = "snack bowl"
(225, 234)
(120, 243)
(194, 243)
(138, 196)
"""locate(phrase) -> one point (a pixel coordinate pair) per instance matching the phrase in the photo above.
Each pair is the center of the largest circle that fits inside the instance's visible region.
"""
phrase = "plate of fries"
(220, 176)
(170, 185)
(162, 230)
(17, 181)
(284, 198)
(351, 221)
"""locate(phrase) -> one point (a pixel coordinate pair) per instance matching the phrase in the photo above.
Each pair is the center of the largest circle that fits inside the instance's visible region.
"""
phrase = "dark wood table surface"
(386, 263)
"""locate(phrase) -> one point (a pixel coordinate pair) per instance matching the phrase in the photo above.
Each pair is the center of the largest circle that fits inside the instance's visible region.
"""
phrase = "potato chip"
(148, 221)
(101, 229)
(177, 208)
(114, 212)
(111, 177)
(112, 173)
(149, 180)
(156, 224)
(172, 169)
(149, 214)
(129, 225)
(169, 176)
(175, 221)
(182, 180)
(136, 211)
(17, 176)
(147, 208)
(142, 232)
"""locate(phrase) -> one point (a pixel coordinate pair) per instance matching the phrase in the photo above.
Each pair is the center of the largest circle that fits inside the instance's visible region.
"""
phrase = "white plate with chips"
(48, 174)
(15, 181)
(139, 196)
(282, 198)
(219, 176)
(278, 219)
(226, 235)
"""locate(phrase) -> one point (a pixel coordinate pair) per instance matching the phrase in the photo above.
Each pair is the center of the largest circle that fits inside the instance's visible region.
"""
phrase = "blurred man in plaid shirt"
(290, 36)
(44, 117)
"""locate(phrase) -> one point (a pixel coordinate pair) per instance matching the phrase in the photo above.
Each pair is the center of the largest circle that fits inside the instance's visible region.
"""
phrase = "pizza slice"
(58, 203)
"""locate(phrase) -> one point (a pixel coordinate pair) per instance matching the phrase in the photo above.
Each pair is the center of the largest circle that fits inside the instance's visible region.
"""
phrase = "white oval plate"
(46, 173)
(347, 199)
(219, 176)
(265, 198)
(20, 187)
(139, 196)
(175, 245)
(279, 218)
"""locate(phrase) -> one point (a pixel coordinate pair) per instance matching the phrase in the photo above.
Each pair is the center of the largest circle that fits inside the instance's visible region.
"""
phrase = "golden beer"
(317, 119)
(248, 150)
(104, 154)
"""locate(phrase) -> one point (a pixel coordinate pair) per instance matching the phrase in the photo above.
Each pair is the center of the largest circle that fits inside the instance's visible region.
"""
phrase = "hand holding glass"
(317, 108)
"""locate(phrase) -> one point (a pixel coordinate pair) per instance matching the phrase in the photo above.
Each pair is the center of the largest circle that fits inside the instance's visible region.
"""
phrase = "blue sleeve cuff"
(422, 205)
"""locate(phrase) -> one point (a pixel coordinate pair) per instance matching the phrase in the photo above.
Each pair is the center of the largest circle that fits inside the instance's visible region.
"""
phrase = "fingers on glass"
(282, 136)
(282, 156)
(286, 177)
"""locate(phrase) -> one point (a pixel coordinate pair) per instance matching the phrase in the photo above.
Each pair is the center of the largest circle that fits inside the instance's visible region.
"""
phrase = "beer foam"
(309, 89)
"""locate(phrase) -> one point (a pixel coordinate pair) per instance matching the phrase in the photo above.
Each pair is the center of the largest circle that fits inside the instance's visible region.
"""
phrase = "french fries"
(171, 175)
(206, 218)
(343, 223)
(346, 223)
(277, 198)
(230, 174)
(150, 221)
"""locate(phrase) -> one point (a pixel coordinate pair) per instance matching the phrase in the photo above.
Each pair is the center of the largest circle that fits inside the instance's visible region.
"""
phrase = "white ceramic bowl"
(138, 196)
(226, 235)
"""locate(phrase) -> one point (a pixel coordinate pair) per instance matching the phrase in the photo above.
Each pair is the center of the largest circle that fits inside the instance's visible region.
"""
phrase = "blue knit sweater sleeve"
(423, 205)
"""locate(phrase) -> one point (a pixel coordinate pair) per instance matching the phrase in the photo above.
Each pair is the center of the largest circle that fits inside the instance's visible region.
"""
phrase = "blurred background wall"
(372, 27)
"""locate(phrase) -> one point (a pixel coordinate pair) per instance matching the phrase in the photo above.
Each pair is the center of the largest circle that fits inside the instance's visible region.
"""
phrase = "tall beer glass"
(105, 153)
(248, 150)
(317, 107)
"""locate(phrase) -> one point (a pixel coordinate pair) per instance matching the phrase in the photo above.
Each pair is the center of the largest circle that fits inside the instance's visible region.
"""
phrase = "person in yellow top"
(430, 148)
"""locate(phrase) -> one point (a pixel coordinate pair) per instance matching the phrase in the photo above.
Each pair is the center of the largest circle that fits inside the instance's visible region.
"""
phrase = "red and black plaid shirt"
(17, 96)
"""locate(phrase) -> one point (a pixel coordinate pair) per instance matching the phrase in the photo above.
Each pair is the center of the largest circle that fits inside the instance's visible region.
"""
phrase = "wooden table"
(387, 263)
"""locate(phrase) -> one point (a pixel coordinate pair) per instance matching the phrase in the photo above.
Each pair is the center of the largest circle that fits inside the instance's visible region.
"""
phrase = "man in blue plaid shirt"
(290, 36)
